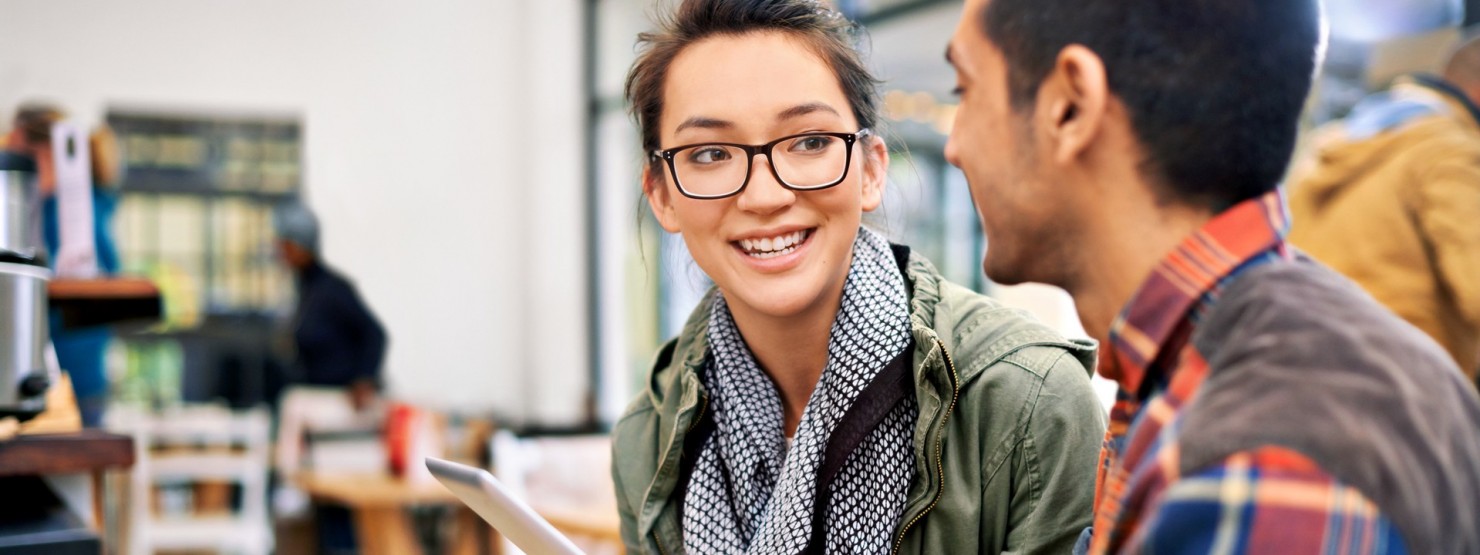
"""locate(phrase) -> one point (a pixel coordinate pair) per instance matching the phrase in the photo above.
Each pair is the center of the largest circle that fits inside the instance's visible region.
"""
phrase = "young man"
(1129, 152)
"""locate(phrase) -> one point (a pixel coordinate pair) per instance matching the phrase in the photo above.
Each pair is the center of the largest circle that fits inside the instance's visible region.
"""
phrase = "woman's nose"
(764, 194)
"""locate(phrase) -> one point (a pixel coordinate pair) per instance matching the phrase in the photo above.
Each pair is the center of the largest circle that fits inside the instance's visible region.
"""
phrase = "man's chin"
(1005, 272)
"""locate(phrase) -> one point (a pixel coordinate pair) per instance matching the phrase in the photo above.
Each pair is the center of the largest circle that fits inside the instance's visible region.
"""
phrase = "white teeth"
(771, 247)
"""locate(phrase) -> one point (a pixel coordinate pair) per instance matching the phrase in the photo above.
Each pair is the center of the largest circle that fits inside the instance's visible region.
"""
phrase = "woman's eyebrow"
(804, 109)
(703, 123)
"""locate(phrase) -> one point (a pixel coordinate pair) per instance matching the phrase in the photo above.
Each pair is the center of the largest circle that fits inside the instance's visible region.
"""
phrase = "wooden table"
(379, 503)
(598, 524)
(381, 526)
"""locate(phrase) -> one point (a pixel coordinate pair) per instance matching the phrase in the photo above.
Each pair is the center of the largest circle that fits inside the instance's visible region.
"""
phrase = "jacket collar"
(687, 354)
(684, 358)
(1450, 92)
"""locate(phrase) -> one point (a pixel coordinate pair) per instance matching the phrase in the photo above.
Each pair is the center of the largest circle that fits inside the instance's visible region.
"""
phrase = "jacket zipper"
(699, 416)
(940, 472)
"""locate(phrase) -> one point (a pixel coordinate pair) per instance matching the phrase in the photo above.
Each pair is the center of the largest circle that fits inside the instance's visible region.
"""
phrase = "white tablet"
(483, 493)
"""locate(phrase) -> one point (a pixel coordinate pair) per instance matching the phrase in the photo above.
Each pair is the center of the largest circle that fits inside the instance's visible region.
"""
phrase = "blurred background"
(473, 173)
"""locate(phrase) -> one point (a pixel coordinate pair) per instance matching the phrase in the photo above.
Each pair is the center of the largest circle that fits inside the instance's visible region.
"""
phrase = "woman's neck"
(791, 350)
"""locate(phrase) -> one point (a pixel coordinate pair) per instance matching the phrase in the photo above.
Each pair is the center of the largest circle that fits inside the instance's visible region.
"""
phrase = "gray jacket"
(1300, 357)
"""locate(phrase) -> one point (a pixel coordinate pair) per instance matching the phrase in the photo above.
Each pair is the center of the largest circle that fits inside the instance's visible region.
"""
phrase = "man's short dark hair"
(1214, 88)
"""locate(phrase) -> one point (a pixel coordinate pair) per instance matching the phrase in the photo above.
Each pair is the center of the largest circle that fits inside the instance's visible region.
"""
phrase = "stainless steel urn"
(23, 276)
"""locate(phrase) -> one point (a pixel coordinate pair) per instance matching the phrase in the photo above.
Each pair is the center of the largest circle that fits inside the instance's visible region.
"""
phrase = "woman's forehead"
(750, 79)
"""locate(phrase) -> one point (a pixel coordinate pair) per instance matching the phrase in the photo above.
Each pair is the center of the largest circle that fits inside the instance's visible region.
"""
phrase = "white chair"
(223, 446)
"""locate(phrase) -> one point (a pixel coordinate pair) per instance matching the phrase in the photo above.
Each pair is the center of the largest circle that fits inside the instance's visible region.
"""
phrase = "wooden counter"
(47, 500)
(70, 453)
(112, 301)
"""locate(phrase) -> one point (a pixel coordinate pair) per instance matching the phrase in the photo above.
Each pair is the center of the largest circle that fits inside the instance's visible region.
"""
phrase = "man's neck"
(1122, 249)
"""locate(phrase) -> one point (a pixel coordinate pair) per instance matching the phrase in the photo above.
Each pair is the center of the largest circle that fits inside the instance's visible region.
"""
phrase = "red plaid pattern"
(1267, 499)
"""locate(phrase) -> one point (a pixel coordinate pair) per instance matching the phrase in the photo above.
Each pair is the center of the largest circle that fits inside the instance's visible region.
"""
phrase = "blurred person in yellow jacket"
(1391, 198)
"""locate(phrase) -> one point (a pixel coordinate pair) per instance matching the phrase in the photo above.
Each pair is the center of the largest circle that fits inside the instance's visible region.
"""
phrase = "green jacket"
(1006, 445)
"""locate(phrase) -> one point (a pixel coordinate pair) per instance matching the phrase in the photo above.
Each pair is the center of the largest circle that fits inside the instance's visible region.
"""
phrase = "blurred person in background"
(832, 393)
(1130, 153)
(80, 351)
(1391, 199)
(334, 341)
(336, 346)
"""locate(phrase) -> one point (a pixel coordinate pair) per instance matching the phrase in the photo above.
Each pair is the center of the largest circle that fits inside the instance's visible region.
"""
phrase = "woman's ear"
(875, 171)
(655, 188)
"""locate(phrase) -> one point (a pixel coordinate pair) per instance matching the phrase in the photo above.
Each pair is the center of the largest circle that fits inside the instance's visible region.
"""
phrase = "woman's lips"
(774, 253)
(771, 247)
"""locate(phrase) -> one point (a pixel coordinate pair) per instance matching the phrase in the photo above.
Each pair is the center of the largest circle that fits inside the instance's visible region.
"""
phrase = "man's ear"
(875, 171)
(655, 188)
(1072, 102)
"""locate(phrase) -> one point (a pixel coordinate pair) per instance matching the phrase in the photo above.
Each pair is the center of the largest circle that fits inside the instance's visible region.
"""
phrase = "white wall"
(443, 151)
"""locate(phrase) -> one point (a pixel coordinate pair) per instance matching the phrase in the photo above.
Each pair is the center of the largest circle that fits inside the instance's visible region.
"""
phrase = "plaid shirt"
(1269, 500)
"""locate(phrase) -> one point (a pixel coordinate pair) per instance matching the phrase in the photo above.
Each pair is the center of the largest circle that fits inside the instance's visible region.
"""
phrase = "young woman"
(832, 394)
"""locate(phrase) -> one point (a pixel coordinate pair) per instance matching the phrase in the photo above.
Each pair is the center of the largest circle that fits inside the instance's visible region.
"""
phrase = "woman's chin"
(778, 301)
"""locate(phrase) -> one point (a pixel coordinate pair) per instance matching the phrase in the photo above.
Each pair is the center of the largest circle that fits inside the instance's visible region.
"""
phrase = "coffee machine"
(24, 338)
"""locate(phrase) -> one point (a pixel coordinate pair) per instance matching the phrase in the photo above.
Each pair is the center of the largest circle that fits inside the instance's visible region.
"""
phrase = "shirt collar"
(1145, 327)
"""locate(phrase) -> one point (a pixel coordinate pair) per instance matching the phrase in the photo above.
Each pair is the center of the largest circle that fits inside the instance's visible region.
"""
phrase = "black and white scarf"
(748, 493)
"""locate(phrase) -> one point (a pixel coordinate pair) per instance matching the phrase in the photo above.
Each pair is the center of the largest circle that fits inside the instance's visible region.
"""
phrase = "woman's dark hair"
(833, 37)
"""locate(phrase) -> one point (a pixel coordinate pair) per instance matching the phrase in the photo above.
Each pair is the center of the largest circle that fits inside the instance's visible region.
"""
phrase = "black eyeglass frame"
(752, 150)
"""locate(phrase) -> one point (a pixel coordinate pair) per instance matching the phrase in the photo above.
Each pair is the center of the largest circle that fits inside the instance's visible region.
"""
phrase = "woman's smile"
(774, 250)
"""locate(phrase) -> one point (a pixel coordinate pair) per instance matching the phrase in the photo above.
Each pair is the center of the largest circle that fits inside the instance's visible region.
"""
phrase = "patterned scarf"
(750, 494)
